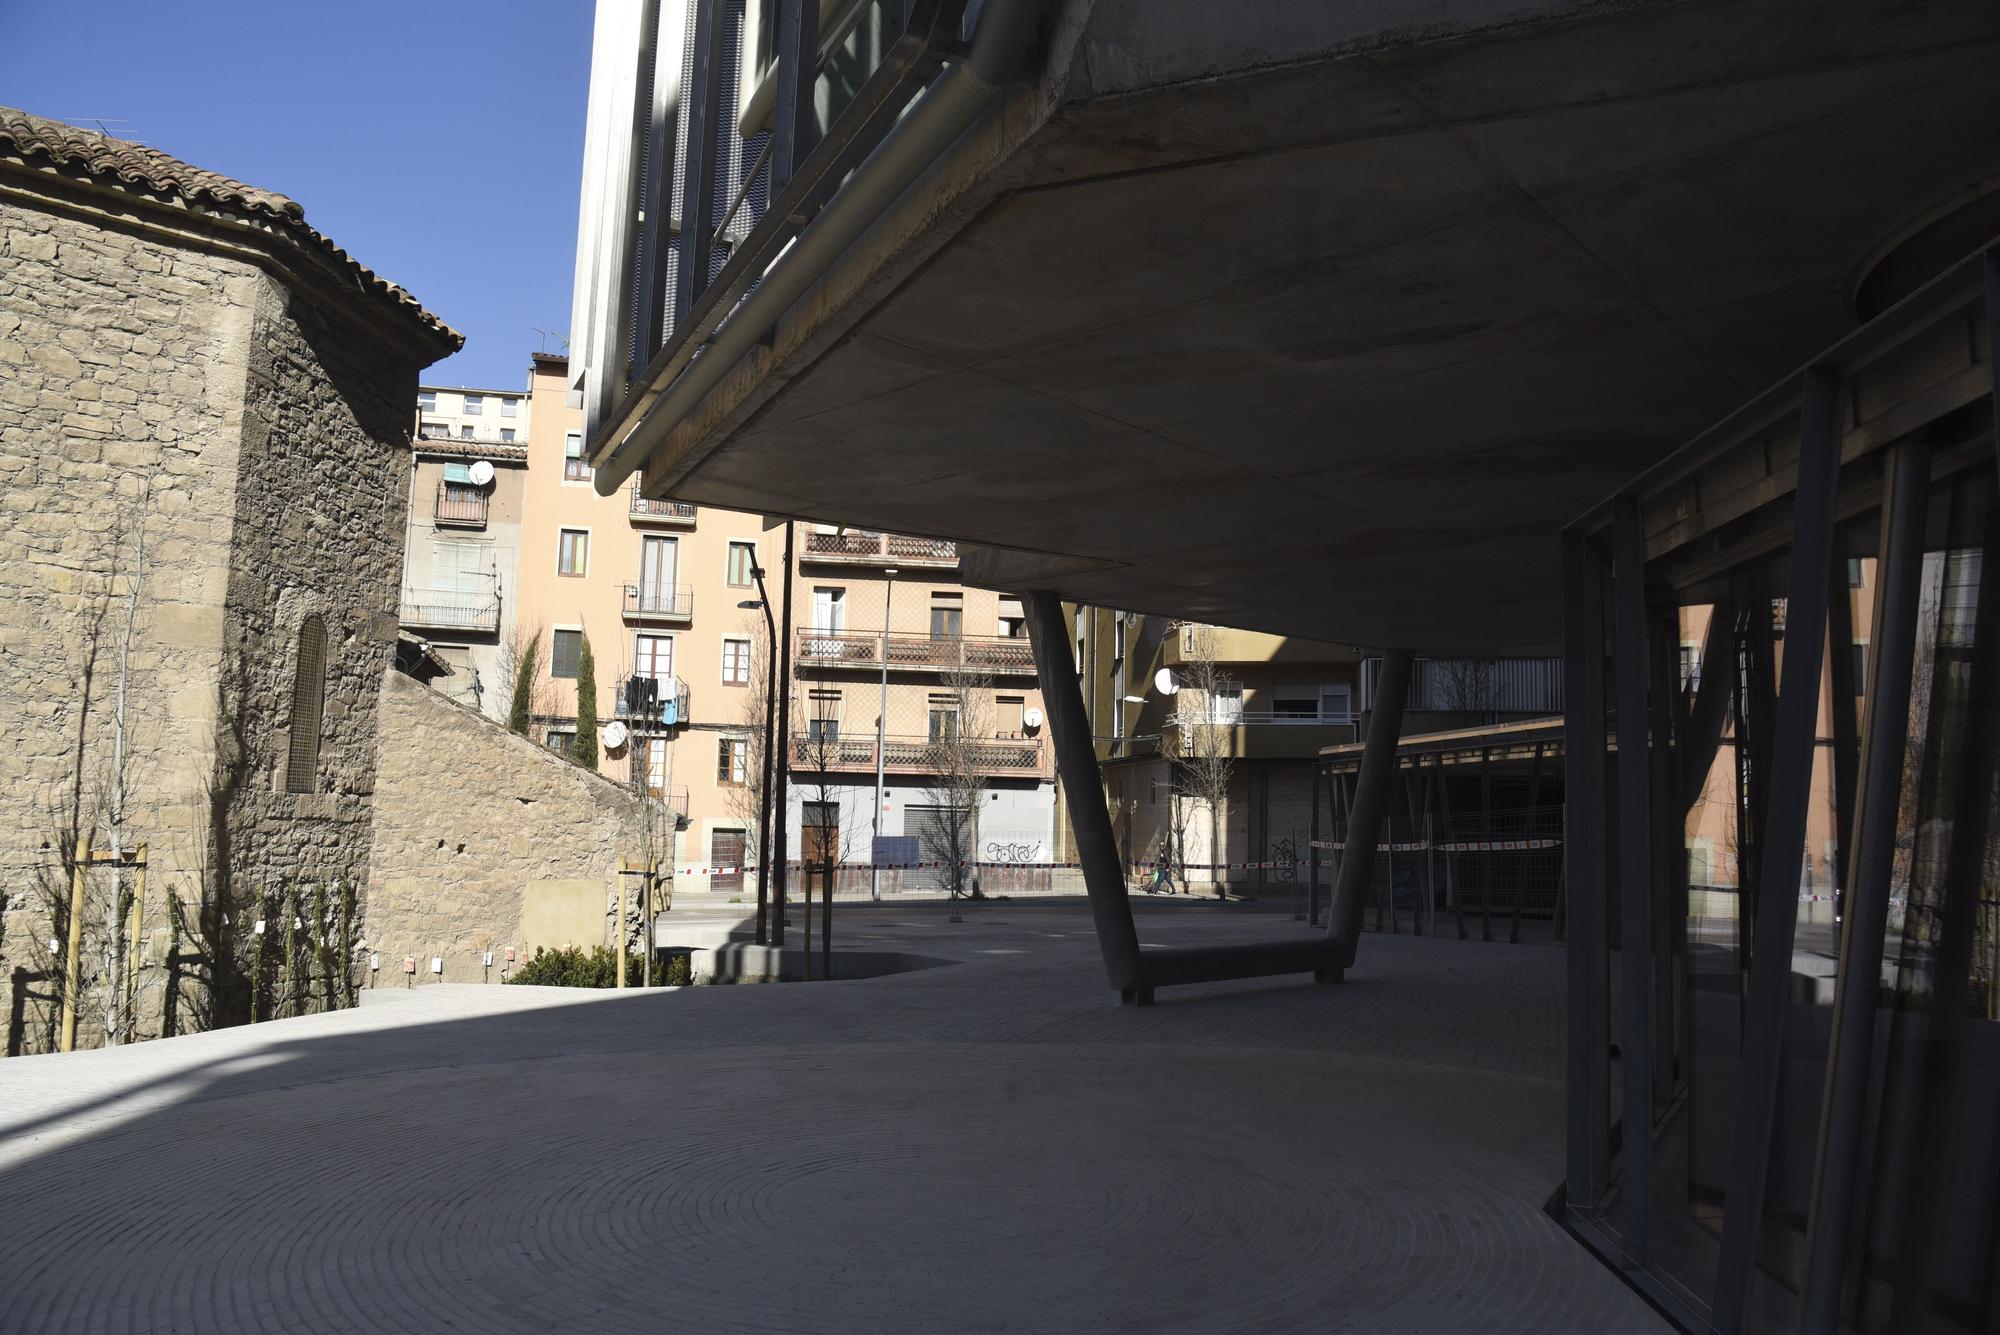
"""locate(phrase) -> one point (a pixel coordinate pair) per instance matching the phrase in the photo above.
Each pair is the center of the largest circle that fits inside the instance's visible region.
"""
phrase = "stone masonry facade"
(475, 830)
(196, 380)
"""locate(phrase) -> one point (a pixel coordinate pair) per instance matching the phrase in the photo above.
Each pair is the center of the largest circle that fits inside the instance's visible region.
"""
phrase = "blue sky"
(438, 141)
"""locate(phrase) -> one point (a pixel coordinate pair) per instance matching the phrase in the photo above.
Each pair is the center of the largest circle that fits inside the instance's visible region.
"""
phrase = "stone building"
(205, 411)
(484, 840)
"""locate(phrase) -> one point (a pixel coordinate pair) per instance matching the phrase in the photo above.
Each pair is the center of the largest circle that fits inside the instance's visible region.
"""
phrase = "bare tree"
(1466, 685)
(746, 800)
(119, 906)
(959, 754)
(1206, 720)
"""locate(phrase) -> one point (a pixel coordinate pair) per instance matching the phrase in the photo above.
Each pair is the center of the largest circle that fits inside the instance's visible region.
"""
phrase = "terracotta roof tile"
(122, 162)
(447, 448)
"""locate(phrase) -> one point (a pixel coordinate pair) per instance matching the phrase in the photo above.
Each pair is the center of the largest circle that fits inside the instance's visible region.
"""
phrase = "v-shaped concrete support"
(1135, 971)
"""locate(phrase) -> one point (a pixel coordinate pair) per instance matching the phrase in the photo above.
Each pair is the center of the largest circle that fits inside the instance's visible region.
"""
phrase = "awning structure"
(1300, 323)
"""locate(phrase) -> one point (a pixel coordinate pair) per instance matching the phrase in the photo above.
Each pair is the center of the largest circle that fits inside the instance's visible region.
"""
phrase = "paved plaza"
(992, 1145)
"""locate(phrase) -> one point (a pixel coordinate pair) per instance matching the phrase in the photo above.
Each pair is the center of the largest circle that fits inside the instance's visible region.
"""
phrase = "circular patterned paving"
(865, 1186)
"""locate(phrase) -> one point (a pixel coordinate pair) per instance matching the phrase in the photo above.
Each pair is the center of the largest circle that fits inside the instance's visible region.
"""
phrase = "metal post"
(1389, 865)
(1587, 1171)
(1708, 710)
(1419, 875)
(664, 22)
(1939, 1120)
(1452, 889)
(1083, 790)
(1788, 781)
(770, 761)
(1371, 795)
(798, 75)
(73, 946)
(1892, 652)
(1667, 840)
(1312, 846)
(881, 732)
(1628, 603)
(1531, 832)
(1485, 863)
(782, 728)
(1841, 691)
(698, 183)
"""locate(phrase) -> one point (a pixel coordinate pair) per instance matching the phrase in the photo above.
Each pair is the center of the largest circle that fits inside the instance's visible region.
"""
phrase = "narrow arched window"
(308, 708)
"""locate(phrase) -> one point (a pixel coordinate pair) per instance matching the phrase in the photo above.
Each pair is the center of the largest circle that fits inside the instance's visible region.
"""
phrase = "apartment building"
(1158, 692)
(490, 416)
(460, 558)
(1189, 716)
(885, 647)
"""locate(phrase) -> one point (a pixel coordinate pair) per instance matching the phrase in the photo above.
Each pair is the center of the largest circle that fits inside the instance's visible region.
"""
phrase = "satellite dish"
(481, 473)
(1031, 718)
(614, 735)
(1164, 683)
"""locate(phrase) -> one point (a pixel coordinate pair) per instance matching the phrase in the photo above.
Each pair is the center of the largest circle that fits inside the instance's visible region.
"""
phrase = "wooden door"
(726, 849)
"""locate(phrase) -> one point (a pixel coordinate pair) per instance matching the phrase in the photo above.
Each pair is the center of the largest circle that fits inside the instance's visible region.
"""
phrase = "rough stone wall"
(263, 441)
(122, 362)
(319, 525)
(467, 817)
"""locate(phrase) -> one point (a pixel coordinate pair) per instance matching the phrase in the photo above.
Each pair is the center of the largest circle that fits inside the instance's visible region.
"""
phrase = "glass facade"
(1789, 955)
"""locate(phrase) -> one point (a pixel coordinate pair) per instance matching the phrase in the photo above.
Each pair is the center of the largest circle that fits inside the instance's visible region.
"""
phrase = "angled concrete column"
(1371, 803)
(1083, 793)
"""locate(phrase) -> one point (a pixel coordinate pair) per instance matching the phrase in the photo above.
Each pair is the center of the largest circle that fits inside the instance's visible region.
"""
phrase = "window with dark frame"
(735, 662)
(742, 560)
(732, 760)
(947, 619)
(565, 651)
(573, 552)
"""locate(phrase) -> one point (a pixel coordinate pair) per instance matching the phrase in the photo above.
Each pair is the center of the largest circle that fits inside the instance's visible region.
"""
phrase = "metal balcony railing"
(836, 86)
(663, 511)
(994, 756)
(449, 609)
(672, 602)
(862, 548)
(472, 435)
(1001, 654)
(461, 503)
(674, 799)
(671, 711)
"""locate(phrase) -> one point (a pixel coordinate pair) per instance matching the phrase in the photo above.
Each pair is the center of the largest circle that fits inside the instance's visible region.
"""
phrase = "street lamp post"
(763, 600)
(881, 739)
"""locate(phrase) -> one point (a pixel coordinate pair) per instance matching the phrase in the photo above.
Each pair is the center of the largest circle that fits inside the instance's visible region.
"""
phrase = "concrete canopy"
(1295, 319)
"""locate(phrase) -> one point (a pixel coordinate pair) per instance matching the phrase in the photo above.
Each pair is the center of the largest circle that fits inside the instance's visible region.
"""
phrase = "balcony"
(856, 548)
(460, 505)
(1263, 734)
(449, 609)
(996, 655)
(672, 709)
(444, 432)
(997, 757)
(659, 602)
(678, 514)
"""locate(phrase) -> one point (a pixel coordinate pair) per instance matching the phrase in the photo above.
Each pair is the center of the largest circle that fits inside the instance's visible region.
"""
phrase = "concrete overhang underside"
(1313, 319)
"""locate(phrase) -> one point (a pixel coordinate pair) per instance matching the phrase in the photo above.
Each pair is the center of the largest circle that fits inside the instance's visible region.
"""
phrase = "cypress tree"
(520, 710)
(584, 750)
